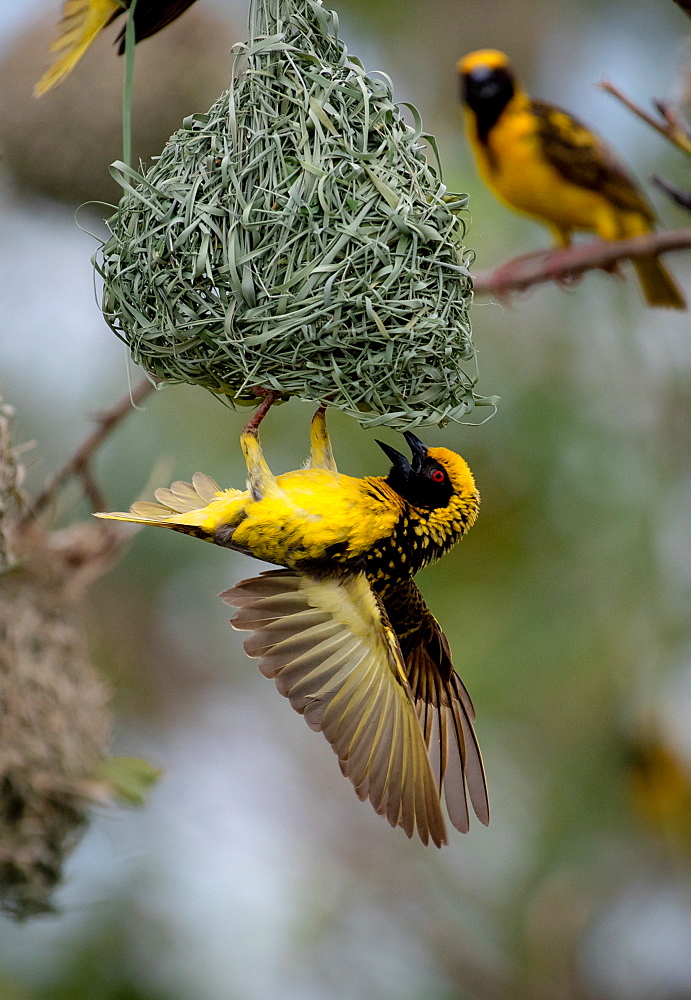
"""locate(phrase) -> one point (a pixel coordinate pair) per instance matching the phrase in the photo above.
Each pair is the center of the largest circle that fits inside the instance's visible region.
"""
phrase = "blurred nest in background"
(62, 144)
(55, 724)
(296, 238)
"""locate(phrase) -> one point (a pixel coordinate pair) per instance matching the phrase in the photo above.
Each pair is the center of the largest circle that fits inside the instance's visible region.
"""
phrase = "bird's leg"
(562, 237)
(260, 477)
(321, 453)
(270, 397)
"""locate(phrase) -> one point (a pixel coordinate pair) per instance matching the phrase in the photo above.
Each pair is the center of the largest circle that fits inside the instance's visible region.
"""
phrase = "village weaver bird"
(341, 627)
(540, 160)
(83, 20)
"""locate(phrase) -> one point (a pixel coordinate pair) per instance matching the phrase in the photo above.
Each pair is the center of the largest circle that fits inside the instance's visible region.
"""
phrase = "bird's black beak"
(418, 450)
(481, 84)
(400, 462)
(485, 85)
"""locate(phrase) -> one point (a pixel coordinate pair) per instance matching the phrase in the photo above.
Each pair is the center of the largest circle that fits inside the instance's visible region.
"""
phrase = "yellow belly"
(313, 511)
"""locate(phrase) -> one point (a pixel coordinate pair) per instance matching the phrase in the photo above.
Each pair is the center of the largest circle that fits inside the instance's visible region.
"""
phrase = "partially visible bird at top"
(540, 160)
(341, 627)
(83, 20)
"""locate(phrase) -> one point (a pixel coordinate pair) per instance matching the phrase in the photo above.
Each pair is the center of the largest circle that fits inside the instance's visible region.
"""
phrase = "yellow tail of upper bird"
(543, 162)
(83, 20)
(658, 285)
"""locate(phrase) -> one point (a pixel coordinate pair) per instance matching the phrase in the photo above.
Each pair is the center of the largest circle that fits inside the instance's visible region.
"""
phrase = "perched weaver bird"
(83, 20)
(342, 628)
(540, 160)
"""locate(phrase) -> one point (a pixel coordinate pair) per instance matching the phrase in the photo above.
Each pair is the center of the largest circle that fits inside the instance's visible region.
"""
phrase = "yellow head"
(488, 83)
(439, 502)
(437, 481)
(486, 59)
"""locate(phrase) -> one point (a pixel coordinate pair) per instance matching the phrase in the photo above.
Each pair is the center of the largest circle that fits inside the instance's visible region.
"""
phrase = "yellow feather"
(82, 21)
(540, 161)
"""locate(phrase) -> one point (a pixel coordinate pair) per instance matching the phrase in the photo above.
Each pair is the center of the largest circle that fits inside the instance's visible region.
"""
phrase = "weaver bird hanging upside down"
(342, 628)
(83, 20)
(543, 162)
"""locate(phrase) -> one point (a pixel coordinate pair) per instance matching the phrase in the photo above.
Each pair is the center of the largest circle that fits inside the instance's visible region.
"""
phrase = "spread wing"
(583, 159)
(150, 16)
(443, 705)
(329, 647)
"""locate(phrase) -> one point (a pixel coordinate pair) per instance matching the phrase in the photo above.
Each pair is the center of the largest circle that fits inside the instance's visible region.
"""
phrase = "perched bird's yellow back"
(541, 161)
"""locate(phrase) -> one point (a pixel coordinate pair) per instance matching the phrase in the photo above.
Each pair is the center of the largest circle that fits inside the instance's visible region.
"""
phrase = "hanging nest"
(296, 238)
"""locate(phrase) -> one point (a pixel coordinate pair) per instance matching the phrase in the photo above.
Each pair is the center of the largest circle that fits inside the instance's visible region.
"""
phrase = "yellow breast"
(513, 165)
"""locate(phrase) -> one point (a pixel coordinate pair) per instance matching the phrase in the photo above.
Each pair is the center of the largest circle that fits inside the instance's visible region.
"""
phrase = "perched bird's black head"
(423, 482)
(487, 86)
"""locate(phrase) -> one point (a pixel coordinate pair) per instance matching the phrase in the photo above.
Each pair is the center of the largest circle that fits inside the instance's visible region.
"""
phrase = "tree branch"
(78, 464)
(560, 265)
(669, 125)
(682, 198)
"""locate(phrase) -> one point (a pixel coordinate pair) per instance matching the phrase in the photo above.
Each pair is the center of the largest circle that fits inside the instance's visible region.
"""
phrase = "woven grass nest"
(296, 238)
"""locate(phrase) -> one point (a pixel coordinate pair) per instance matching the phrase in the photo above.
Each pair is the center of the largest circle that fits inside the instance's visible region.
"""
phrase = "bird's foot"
(260, 478)
(270, 397)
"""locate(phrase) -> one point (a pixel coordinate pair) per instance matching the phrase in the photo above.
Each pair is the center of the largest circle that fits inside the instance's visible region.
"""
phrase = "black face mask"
(422, 482)
(487, 92)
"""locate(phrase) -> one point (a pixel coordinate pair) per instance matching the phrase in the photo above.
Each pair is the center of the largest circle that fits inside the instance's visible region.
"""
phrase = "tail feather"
(183, 506)
(206, 487)
(659, 287)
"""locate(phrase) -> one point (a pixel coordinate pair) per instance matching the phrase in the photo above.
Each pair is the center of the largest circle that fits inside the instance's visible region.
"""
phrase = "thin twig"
(682, 198)
(92, 490)
(557, 265)
(79, 462)
(669, 126)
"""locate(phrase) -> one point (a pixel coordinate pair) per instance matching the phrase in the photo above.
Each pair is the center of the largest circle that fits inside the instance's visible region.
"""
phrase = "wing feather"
(206, 487)
(364, 752)
(331, 651)
(582, 158)
(82, 20)
(444, 709)
(150, 16)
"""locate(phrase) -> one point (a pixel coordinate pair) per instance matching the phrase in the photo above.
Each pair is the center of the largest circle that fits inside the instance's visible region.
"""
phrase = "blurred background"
(253, 871)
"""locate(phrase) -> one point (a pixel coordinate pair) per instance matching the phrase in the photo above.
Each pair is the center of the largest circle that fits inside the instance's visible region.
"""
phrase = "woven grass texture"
(296, 238)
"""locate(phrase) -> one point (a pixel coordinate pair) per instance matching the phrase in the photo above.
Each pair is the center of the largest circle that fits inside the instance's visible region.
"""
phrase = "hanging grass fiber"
(296, 238)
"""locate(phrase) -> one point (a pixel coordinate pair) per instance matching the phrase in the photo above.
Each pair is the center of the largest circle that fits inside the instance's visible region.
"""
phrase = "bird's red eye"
(437, 476)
